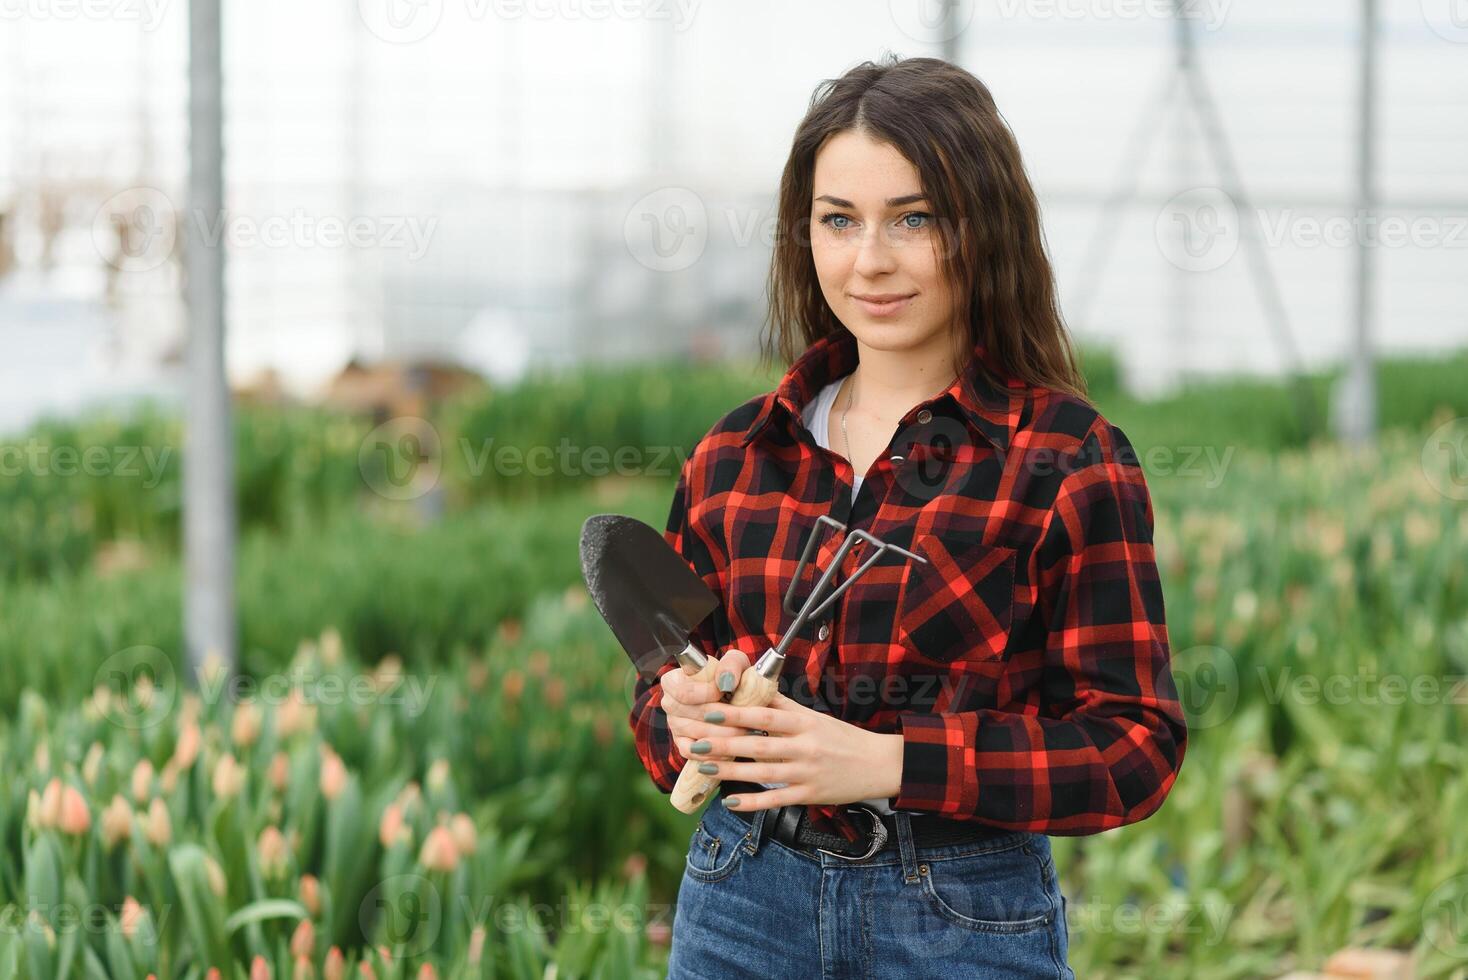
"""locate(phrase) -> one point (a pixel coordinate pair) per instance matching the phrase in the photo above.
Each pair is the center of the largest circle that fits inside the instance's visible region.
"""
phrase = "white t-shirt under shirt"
(816, 415)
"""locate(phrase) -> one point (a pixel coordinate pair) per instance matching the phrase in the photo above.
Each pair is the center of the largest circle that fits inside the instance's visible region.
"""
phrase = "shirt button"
(824, 632)
(897, 459)
(924, 417)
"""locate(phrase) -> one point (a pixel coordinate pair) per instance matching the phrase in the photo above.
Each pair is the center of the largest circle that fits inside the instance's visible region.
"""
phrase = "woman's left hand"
(822, 758)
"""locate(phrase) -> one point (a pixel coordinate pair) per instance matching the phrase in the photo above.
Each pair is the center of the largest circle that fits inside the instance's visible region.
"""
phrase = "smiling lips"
(883, 304)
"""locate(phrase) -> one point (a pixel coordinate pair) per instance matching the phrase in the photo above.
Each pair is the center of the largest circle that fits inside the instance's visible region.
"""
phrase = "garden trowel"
(652, 601)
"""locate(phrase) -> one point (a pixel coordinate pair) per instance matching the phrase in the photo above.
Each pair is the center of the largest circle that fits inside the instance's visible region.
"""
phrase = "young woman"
(888, 813)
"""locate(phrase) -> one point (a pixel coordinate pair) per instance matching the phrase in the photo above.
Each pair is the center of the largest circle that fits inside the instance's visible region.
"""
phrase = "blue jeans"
(759, 909)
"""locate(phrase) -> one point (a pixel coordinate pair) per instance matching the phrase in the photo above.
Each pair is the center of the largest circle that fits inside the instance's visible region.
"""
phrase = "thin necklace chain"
(851, 396)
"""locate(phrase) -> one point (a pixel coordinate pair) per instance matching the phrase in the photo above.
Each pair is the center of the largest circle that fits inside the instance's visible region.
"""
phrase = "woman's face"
(873, 238)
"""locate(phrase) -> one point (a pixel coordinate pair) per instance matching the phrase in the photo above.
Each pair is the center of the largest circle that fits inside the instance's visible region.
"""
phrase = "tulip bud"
(303, 969)
(259, 969)
(273, 851)
(92, 765)
(131, 917)
(244, 727)
(50, 811)
(159, 829)
(142, 781)
(217, 883)
(439, 853)
(186, 750)
(280, 771)
(168, 778)
(333, 774)
(75, 817)
(295, 715)
(392, 830)
(466, 839)
(512, 685)
(229, 778)
(331, 646)
(335, 967)
(33, 810)
(476, 945)
(438, 775)
(117, 821)
(427, 972)
(303, 940)
(311, 894)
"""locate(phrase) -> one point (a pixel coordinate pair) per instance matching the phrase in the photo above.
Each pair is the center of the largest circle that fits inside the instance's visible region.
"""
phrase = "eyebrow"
(892, 202)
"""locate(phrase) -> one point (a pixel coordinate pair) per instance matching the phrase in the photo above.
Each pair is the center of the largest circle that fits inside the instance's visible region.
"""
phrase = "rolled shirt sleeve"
(1107, 746)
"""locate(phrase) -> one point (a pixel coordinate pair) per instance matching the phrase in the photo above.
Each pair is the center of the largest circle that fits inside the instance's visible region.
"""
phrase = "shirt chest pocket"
(959, 605)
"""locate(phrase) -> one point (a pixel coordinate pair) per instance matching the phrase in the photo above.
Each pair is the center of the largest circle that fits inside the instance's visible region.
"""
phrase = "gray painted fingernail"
(701, 746)
(707, 768)
(714, 717)
(726, 681)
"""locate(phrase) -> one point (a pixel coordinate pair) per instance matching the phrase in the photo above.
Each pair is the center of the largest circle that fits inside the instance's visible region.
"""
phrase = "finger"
(760, 747)
(763, 718)
(782, 703)
(696, 730)
(685, 749)
(752, 772)
(684, 690)
(731, 667)
(767, 800)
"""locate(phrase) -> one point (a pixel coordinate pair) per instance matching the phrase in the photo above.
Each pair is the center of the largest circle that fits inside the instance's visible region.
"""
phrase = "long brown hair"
(943, 120)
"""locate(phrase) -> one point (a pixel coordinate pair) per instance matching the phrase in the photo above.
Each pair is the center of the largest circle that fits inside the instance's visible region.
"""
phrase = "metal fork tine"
(806, 552)
(810, 609)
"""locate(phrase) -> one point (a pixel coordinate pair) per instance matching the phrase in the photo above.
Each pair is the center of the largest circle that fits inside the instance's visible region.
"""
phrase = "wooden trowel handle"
(694, 788)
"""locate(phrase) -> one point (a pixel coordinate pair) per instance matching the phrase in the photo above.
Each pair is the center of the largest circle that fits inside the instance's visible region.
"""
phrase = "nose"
(874, 254)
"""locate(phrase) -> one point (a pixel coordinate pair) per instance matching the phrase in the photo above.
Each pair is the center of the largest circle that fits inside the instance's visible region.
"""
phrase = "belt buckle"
(879, 836)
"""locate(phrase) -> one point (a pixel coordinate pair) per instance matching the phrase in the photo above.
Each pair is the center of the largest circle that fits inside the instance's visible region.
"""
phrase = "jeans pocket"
(1000, 891)
(713, 856)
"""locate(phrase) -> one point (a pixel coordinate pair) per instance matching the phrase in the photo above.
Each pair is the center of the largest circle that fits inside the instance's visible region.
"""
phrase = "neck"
(888, 383)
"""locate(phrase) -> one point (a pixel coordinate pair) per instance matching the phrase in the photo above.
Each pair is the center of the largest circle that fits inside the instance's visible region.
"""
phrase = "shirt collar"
(988, 407)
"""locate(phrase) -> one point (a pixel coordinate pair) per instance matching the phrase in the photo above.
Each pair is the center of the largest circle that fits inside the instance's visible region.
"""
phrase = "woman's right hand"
(686, 700)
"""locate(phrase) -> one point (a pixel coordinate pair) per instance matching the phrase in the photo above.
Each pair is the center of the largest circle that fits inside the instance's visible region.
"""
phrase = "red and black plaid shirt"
(1025, 663)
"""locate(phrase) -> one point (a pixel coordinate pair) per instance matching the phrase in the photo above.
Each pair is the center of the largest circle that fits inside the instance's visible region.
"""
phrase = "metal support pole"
(1355, 403)
(208, 461)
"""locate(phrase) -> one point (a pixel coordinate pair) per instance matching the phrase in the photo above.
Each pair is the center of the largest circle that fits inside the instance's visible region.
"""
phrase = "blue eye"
(829, 220)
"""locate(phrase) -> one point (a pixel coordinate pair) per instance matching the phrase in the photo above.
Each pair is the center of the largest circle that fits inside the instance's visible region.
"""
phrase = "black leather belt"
(789, 826)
